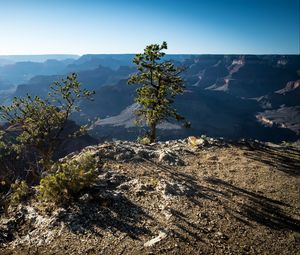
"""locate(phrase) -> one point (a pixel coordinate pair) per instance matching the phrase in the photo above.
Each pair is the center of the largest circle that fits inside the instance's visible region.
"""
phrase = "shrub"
(69, 179)
(20, 191)
(145, 140)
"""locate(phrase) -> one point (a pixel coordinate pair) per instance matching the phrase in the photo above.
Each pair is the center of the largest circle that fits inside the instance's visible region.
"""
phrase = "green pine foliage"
(160, 83)
(20, 190)
(43, 120)
(69, 179)
(145, 140)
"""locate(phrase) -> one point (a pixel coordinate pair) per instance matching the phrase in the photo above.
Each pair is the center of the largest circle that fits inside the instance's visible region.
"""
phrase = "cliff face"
(224, 94)
(195, 195)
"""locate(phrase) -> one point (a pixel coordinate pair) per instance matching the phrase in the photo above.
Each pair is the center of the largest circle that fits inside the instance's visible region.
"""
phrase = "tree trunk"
(152, 132)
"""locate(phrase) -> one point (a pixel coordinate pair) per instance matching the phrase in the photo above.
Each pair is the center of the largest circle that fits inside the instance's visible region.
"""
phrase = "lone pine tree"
(160, 83)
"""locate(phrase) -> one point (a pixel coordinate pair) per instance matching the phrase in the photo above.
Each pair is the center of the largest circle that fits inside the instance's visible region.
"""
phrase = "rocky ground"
(192, 196)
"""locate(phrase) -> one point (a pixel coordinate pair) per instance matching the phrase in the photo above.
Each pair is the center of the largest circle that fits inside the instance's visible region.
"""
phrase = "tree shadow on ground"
(282, 158)
(108, 211)
(193, 191)
(245, 205)
(256, 207)
(112, 211)
(113, 214)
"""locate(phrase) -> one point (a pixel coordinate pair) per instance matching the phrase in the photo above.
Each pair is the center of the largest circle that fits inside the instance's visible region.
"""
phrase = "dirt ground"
(235, 199)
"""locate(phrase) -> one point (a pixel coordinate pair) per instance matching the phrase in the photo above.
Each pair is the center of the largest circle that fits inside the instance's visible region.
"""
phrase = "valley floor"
(241, 198)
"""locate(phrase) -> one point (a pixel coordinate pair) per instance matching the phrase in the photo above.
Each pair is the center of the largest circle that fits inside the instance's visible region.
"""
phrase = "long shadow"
(190, 182)
(258, 208)
(185, 226)
(255, 207)
(113, 213)
(285, 159)
(107, 210)
(186, 230)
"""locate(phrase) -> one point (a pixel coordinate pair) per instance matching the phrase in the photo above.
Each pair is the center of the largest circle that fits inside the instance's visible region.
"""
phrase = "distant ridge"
(36, 58)
(232, 96)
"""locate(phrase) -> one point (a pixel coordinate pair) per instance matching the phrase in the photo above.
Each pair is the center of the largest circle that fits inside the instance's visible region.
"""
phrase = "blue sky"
(126, 26)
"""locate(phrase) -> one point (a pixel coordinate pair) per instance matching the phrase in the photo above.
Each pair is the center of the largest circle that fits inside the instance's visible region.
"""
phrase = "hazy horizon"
(168, 53)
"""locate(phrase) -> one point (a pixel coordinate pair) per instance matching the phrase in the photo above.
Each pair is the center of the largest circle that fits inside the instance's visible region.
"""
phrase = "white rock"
(161, 236)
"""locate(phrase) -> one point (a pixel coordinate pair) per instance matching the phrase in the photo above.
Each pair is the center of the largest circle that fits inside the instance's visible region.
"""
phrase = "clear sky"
(126, 26)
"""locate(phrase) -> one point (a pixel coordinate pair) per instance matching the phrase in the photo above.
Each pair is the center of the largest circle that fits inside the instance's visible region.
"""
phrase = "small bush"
(20, 191)
(69, 179)
(145, 140)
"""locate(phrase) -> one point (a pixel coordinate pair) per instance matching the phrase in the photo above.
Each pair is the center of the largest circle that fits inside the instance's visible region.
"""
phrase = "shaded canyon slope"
(232, 96)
